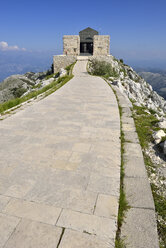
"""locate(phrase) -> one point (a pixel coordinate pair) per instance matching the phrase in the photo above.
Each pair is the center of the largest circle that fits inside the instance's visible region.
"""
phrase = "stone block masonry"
(71, 44)
(62, 61)
(101, 45)
(87, 43)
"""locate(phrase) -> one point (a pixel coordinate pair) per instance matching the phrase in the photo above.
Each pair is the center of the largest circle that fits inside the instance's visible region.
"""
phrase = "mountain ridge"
(157, 79)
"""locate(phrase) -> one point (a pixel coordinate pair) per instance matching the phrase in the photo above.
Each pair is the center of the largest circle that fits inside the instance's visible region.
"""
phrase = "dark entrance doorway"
(86, 41)
(86, 47)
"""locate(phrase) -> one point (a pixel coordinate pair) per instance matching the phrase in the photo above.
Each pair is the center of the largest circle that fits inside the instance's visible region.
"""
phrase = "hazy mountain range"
(155, 77)
(20, 62)
(13, 62)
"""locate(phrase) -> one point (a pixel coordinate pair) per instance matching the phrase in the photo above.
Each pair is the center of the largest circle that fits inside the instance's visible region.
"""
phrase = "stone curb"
(139, 229)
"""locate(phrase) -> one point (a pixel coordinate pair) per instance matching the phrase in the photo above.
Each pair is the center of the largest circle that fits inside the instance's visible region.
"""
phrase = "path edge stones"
(139, 228)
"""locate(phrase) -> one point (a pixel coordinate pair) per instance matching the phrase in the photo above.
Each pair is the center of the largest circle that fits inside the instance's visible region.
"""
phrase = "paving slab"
(131, 136)
(3, 201)
(138, 193)
(21, 189)
(104, 185)
(127, 120)
(133, 149)
(134, 166)
(126, 111)
(103, 228)
(33, 211)
(62, 196)
(128, 127)
(34, 234)
(61, 152)
(74, 239)
(139, 229)
(107, 206)
(7, 226)
(107, 171)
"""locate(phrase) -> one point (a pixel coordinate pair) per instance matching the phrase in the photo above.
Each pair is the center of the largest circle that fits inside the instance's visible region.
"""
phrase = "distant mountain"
(20, 62)
(157, 78)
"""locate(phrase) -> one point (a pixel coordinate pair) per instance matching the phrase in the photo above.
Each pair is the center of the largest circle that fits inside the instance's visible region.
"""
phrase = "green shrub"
(37, 86)
(102, 68)
(55, 75)
(163, 139)
(18, 92)
(145, 125)
(69, 68)
(152, 111)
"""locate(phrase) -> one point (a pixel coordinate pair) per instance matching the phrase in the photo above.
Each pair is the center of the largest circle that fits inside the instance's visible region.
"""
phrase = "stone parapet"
(62, 61)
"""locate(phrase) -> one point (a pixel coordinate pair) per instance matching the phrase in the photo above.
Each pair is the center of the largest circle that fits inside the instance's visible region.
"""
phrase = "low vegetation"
(47, 90)
(102, 68)
(18, 92)
(145, 124)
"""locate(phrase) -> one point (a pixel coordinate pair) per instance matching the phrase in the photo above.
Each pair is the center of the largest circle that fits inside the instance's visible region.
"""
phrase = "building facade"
(88, 42)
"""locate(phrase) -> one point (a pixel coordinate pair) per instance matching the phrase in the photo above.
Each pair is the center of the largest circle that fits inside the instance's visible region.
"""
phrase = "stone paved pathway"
(60, 168)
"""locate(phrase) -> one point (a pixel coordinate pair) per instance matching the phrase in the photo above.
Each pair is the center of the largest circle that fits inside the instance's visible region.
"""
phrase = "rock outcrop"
(20, 85)
(14, 86)
(133, 85)
(158, 136)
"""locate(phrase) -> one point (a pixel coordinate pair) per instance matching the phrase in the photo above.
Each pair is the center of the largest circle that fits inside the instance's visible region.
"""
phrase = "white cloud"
(5, 47)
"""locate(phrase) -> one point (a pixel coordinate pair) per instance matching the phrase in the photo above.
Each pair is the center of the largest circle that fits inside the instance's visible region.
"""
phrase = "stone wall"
(62, 61)
(71, 45)
(101, 45)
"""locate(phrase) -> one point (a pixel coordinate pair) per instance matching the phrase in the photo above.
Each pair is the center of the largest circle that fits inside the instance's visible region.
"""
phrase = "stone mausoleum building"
(87, 43)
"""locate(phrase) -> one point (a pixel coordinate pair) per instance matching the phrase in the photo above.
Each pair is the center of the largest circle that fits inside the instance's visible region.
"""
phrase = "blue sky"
(137, 28)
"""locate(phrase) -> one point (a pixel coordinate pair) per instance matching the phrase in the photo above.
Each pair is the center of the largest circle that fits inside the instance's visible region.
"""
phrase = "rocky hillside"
(17, 85)
(135, 88)
(131, 84)
(20, 85)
